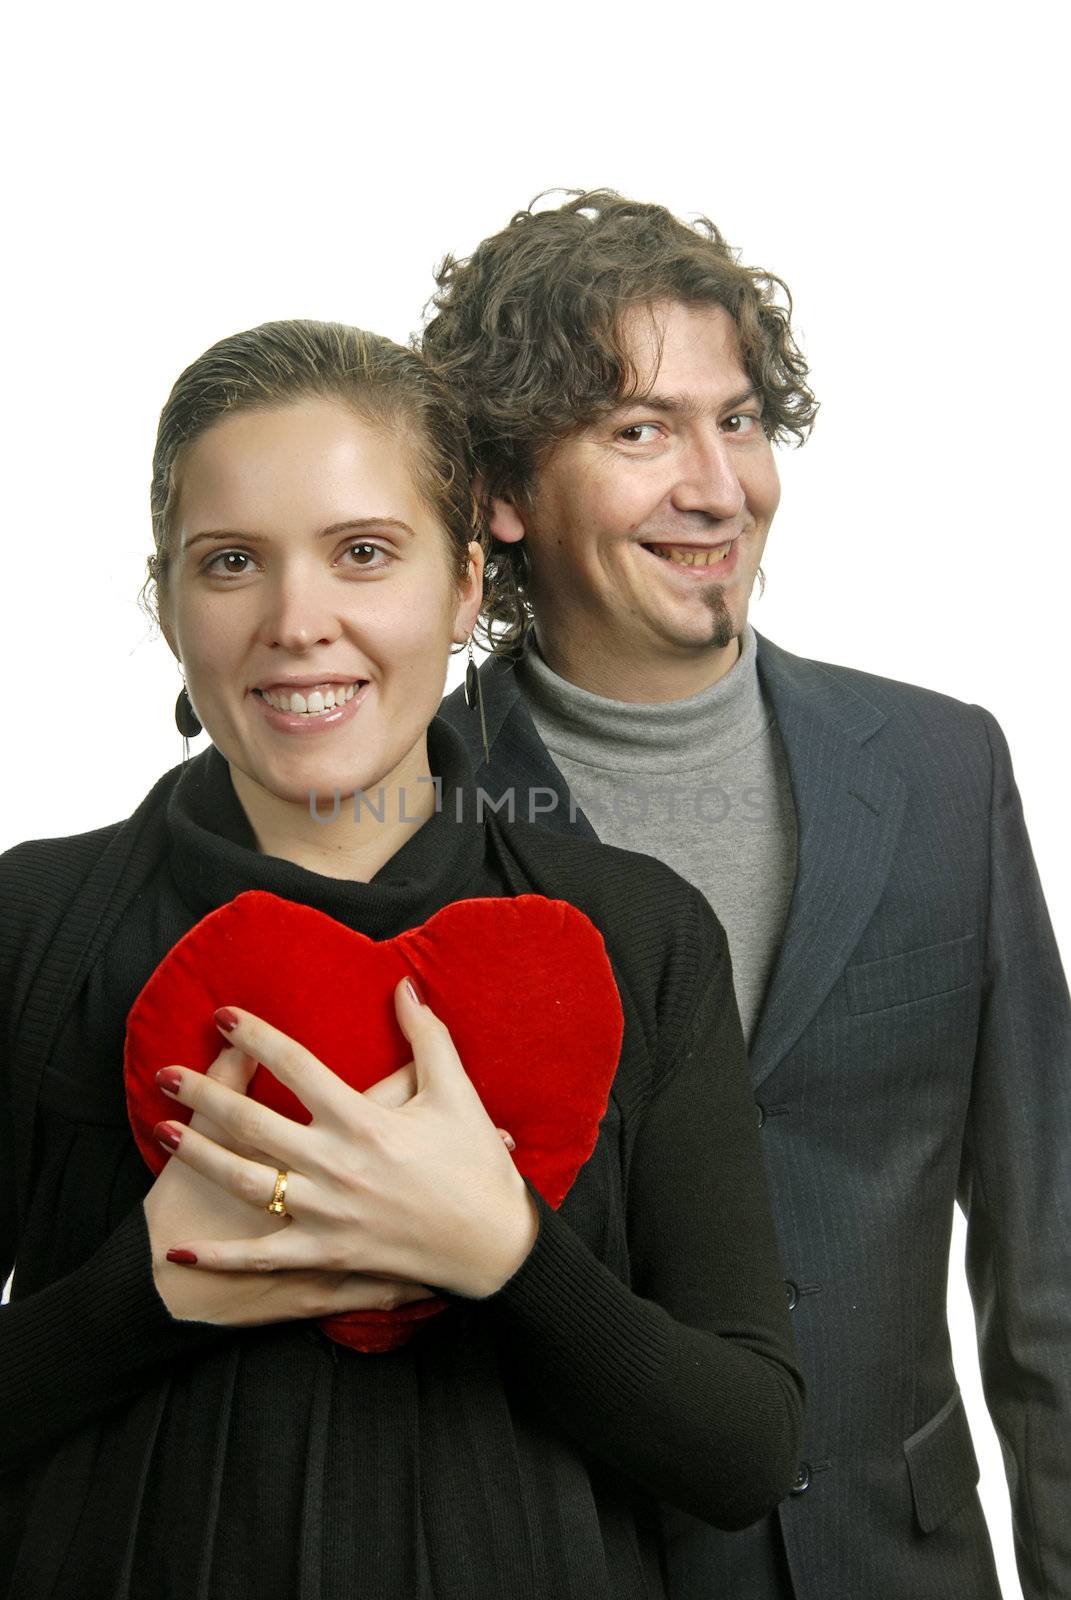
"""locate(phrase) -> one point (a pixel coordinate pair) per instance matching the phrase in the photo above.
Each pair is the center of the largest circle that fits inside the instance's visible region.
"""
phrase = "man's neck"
(636, 679)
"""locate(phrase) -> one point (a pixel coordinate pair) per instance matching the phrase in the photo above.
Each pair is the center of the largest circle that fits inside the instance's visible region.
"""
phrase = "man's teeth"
(685, 557)
(313, 703)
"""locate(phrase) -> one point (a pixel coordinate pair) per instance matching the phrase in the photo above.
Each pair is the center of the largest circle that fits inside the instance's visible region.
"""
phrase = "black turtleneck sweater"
(518, 1444)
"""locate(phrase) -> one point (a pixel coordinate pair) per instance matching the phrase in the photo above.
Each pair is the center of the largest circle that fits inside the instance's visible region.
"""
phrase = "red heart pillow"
(524, 986)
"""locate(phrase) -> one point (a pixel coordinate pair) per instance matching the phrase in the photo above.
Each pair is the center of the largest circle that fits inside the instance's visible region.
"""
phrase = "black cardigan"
(642, 1352)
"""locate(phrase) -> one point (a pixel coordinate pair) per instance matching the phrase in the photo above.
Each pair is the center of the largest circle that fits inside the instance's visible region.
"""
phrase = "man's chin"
(724, 626)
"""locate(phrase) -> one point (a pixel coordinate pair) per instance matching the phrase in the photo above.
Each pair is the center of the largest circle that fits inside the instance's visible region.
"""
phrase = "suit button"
(761, 1109)
(793, 1294)
(803, 1479)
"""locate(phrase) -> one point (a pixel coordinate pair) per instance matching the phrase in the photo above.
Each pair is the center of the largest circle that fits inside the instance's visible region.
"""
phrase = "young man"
(861, 840)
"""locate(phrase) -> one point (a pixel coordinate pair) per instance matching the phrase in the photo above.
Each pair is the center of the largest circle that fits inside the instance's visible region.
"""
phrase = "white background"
(179, 173)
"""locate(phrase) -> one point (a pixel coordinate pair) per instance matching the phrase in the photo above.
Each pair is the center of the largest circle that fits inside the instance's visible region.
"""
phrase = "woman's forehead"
(313, 462)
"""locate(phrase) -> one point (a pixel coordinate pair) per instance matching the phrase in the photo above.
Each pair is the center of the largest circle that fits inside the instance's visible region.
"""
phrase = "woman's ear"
(164, 622)
(470, 595)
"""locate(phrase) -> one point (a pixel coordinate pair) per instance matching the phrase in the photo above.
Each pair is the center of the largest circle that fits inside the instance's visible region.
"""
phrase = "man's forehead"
(681, 351)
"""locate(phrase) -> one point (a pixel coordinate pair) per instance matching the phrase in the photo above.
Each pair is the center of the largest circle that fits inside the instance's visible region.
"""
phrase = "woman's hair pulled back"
(280, 363)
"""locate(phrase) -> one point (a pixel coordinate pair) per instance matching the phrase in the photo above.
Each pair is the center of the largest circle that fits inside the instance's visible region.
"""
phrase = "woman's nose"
(298, 614)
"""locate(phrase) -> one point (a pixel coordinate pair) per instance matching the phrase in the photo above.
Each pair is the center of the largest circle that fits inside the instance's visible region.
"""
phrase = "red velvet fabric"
(524, 985)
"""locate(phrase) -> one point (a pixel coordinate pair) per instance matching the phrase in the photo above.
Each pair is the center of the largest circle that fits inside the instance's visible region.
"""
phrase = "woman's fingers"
(396, 1090)
(436, 1063)
(316, 1086)
(235, 1070)
(246, 1123)
(247, 1180)
(289, 1251)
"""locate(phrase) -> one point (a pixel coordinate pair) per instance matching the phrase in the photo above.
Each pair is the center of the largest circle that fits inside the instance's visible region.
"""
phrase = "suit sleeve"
(686, 1381)
(1016, 1193)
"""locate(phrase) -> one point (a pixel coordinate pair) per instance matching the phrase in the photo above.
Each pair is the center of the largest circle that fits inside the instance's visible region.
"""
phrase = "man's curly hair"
(530, 334)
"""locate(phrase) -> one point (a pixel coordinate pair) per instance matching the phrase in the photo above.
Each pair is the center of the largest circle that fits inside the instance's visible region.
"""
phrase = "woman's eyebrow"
(351, 525)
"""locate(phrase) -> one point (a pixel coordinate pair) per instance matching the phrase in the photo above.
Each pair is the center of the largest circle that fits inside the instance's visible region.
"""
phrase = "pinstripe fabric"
(915, 1043)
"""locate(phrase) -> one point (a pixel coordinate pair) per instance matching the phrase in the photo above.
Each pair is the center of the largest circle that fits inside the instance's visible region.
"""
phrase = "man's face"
(646, 528)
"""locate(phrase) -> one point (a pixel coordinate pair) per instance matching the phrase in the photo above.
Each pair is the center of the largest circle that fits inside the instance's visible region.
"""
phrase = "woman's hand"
(422, 1192)
(182, 1202)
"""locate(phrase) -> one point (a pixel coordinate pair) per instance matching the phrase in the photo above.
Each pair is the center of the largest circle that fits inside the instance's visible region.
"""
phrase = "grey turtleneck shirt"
(702, 784)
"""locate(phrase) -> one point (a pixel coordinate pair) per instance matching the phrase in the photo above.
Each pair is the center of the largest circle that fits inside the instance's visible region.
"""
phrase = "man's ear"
(503, 520)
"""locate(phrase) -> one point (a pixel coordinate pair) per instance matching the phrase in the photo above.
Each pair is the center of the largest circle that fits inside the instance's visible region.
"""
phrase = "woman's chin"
(375, 787)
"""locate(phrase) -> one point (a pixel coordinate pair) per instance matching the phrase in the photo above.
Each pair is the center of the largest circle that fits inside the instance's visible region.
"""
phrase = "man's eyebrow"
(684, 405)
(352, 525)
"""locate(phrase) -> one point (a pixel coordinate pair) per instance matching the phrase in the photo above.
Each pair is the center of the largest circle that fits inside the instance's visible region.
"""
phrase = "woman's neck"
(351, 837)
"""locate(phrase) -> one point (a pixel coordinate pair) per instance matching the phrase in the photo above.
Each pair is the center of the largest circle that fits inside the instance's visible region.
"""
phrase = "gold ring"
(277, 1204)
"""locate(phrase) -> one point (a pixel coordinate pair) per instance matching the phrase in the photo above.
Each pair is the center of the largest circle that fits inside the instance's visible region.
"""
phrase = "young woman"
(175, 1422)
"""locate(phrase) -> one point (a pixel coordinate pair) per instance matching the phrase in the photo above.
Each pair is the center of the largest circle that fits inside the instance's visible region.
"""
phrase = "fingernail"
(507, 1139)
(414, 997)
(226, 1019)
(168, 1135)
(169, 1080)
(182, 1258)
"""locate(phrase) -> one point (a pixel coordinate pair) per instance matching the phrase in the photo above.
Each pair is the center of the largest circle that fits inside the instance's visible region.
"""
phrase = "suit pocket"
(914, 975)
(941, 1464)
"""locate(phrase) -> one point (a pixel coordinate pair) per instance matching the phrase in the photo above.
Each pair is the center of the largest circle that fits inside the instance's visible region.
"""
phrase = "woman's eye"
(638, 432)
(233, 563)
(364, 555)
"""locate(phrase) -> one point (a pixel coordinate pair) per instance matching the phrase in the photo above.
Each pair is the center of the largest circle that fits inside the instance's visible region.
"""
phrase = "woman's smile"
(321, 708)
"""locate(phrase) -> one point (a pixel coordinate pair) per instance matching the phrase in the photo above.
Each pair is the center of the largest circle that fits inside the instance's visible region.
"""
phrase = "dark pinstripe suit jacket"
(915, 1044)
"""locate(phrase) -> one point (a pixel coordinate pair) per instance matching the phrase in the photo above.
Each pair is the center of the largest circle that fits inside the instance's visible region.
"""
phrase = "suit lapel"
(850, 804)
(849, 809)
(519, 761)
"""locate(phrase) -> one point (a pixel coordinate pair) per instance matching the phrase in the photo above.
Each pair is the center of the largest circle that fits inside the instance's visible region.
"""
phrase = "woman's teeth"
(685, 557)
(313, 703)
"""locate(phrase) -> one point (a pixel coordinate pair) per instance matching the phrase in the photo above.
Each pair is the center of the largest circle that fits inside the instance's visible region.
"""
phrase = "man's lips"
(694, 557)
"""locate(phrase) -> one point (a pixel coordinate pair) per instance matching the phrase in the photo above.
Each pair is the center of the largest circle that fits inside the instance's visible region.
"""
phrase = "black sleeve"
(686, 1382)
(97, 1336)
(88, 1342)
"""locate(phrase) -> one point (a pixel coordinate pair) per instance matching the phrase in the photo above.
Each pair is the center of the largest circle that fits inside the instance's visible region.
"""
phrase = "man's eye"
(638, 432)
(740, 422)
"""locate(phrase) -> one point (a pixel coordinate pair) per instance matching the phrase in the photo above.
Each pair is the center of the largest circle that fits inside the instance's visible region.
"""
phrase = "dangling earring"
(187, 721)
(474, 696)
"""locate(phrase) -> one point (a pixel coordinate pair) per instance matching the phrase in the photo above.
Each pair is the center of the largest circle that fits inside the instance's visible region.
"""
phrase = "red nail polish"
(182, 1258)
(226, 1019)
(169, 1080)
(168, 1135)
(414, 997)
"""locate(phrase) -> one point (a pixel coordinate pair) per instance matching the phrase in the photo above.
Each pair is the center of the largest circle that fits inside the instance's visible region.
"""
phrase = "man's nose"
(709, 480)
(300, 612)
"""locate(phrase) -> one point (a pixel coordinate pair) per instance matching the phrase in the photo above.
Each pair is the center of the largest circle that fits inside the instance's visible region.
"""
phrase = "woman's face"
(311, 600)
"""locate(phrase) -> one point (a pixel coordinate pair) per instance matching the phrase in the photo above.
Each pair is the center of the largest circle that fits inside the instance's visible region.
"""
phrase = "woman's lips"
(304, 723)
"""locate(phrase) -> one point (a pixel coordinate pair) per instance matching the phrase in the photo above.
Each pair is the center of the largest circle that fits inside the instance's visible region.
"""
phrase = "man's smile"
(692, 555)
